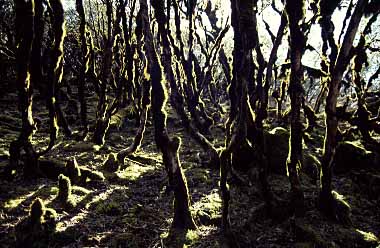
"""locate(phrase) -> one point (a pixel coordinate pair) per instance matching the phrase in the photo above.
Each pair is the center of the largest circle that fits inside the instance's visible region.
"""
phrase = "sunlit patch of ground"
(134, 171)
(132, 208)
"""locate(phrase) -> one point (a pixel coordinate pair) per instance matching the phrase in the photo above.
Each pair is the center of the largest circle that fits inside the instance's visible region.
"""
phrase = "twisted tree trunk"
(55, 75)
(177, 99)
(86, 56)
(326, 200)
(169, 147)
(24, 39)
(295, 11)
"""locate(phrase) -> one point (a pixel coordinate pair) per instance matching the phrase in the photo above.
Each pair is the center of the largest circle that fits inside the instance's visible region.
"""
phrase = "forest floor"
(132, 208)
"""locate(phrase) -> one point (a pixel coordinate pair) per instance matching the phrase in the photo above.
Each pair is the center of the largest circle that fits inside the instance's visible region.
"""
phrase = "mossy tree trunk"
(131, 78)
(36, 66)
(243, 23)
(144, 102)
(55, 74)
(196, 77)
(262, 108)
(85, 39)
(169, 147)
(360, 59)
(24, 39)
(102, 120)
(295, 10)
(176, 98)
(326, 199)
(105, 109)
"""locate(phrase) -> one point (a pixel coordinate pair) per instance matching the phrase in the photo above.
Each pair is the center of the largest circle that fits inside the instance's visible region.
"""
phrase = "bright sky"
(273, 19)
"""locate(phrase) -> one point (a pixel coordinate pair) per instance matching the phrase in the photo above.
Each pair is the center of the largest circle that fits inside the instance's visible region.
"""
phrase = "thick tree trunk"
(55, 75)
(295, 11)
(24, 39)
(169, 147)
(36, 66)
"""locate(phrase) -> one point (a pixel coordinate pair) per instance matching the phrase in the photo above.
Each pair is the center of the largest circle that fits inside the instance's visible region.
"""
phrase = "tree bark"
(326, 198)
(169, 147)
(295, 11)
(86, 56)
(24, 39)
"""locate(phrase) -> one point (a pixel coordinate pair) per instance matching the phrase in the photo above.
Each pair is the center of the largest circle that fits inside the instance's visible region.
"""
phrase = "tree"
(295, 10)
(169, 147)
(24, 40)
(327, 202)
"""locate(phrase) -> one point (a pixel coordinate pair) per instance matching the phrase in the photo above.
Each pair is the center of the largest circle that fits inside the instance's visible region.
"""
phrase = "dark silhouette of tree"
(24, 24)
(87, 49)
(295, 10)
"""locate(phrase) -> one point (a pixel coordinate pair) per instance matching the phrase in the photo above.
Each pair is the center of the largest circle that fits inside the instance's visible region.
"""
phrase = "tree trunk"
(295, 11)
(326, 198)
(85, 39)
(177, 99)
(24, 39)
(55, 74)
(169, 147)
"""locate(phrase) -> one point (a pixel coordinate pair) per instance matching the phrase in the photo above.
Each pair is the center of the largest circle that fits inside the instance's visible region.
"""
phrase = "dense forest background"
(189, 123)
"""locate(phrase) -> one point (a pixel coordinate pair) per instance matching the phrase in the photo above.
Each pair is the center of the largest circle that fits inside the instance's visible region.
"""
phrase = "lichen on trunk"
(295, 10)
(169, 147)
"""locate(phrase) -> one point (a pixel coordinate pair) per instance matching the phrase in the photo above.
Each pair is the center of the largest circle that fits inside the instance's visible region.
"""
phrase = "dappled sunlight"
(72, 222)
(43, 191)
(99, 197)
(189, 123)
(134, 171)
(368, 236)
(208, 208)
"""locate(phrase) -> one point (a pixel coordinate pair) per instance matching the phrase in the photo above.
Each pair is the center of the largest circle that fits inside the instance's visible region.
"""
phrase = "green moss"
(73, 171)
(112, 163)
(192, 237)
(38, 228)
(311, 165)
(64, 186)
(134, 171)
(12, 203)
(82, 147)
(352, 155)
(277, 148)
(64, 193)
(37, 210)
(208, 209)
(109, 208)
(368, 236)
(80, 190)
(90, 175)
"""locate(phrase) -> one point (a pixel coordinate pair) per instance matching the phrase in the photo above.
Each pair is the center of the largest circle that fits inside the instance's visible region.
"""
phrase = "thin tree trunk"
(86, 56)
(177, 99)
(326, 197)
